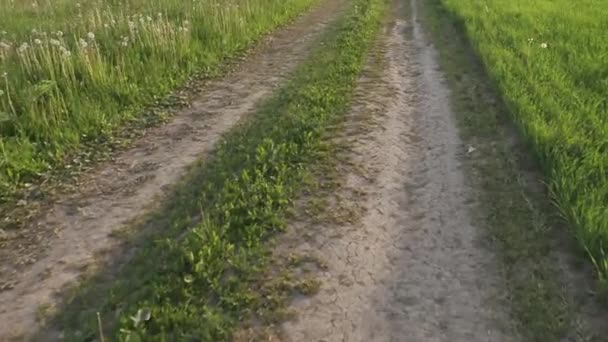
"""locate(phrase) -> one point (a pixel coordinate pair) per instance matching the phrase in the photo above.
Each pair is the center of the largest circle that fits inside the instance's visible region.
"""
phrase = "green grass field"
(548, 61)
(71, 72)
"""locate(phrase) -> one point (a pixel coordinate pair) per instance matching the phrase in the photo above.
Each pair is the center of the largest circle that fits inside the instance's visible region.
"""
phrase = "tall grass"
(71, 72)
(548, 59)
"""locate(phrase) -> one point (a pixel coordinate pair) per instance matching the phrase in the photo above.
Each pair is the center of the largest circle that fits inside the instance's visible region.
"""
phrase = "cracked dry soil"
(77, 230)
(413, 267)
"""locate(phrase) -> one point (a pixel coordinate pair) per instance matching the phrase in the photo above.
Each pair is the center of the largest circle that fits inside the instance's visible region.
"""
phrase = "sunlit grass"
(71, 72)
(548, 60)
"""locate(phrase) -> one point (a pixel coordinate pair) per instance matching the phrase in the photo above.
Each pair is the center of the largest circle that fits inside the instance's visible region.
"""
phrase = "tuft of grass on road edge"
(198, 281)
(515, 210)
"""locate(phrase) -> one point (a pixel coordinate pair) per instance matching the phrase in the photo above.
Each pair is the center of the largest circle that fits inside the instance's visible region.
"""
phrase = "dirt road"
(77, 231)
(413, 267)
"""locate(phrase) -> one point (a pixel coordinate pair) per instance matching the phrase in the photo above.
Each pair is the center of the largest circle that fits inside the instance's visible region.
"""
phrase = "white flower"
(54, 42)
(59, 34)
(125, 39)
(141, 20)
(23, 47)
(543, 45)
(37, 41)
(83, 44)
(124, 43)
(34, 31)
(159, 15)
(67, 54)
(91, 35)
(149, 18)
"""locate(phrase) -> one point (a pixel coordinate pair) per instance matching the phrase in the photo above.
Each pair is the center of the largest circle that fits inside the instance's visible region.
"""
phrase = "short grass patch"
(205, 269)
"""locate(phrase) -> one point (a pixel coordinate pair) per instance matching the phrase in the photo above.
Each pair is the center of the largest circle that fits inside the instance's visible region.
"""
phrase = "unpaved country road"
(77, 230)
(413, 267)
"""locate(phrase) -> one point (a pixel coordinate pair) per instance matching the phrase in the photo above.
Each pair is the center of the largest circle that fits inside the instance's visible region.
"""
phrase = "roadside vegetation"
(547, 60)
(203, 273)
(72, 72)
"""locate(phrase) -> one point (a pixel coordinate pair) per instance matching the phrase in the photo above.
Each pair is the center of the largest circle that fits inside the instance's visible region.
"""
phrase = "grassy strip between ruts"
(514, 204)
(197, 282)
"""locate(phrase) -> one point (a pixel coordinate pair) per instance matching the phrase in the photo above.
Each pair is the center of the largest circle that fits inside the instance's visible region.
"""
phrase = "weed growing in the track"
(547, 59)
(70, 73)
(197, 282)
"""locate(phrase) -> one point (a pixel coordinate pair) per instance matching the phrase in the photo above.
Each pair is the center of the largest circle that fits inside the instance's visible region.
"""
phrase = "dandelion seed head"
(544, 45)
(186, 22)
(106, 25)
(113, 22)
(23, 47)
(34, 31)
(83, 44)
(159, 15)
(4, 75)
(149, 18)
(124, 43)
(131, 24)
(67, 54)
(141, 20)
(91, 36)
(59, 34)
(37, 41)
(78, 4)
(54, 42)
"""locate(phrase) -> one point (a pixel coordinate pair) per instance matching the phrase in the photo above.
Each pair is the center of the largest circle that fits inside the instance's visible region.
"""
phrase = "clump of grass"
(544, 57)
(198, 283)
(70, 74)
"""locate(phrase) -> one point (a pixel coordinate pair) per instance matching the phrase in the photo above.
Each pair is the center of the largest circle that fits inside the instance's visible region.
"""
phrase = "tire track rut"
(414, 266)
